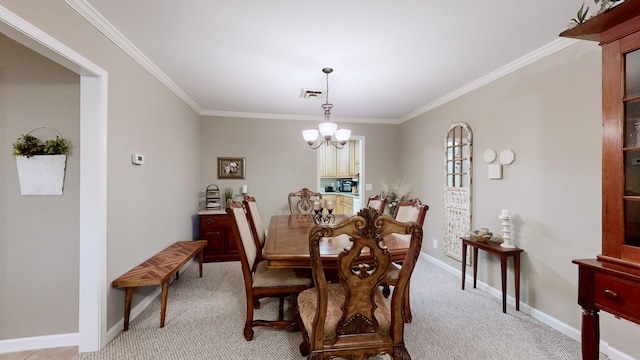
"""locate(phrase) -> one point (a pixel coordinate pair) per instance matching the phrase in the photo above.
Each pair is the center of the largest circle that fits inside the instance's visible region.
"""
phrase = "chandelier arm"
(317, 146)
(337, 144)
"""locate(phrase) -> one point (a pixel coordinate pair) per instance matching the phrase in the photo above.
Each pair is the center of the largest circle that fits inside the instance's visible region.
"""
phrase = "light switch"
(137, 159)
(368, 187)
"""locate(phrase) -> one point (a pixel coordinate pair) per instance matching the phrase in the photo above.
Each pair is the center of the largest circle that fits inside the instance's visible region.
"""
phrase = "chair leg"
(304, 345)
(248, 325)
(406, 310)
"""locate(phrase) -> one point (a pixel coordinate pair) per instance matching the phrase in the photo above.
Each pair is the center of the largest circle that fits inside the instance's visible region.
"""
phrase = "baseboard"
(136, 310)
(39, 342)
(554, 323)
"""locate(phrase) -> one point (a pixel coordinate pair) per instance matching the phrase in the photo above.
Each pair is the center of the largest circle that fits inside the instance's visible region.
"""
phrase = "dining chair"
(377, 202)
(257, 229)
(261, 281)
(301, 202)
(350, 318)
(411, 210)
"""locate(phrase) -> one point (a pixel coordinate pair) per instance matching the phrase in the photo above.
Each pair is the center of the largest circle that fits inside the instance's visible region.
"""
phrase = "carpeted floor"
(205, 318)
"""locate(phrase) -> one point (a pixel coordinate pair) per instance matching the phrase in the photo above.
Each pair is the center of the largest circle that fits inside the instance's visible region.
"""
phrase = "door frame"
(93, 183)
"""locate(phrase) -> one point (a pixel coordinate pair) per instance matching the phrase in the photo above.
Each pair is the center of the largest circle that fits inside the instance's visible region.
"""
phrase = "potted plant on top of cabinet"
(41, 164)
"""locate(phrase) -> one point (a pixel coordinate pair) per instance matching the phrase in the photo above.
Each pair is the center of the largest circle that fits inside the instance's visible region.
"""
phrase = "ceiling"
(392, 60)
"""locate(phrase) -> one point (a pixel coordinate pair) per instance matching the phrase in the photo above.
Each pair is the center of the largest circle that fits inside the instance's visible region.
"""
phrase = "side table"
(504, 253)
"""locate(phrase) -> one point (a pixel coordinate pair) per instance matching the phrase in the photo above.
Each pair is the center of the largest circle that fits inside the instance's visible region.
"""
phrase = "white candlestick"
(505, 216)
(330, 205)
(316, 205)
(244, 189)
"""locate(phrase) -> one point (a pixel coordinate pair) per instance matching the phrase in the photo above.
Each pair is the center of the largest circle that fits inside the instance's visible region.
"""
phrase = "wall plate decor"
(489, 156)
(507, 157)
(231, 168)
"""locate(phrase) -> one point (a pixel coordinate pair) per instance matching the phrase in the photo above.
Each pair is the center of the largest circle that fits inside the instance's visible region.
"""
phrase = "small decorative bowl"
(483, 234)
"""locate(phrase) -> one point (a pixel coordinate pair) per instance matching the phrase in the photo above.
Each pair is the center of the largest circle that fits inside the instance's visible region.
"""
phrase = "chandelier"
(328, 130)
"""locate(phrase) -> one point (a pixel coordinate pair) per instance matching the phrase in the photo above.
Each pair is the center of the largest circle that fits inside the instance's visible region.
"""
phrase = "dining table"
(287, 243)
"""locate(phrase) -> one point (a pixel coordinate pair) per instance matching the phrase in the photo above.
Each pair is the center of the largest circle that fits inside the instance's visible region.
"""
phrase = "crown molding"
(517, 64)
(96, 19)
(99, 22)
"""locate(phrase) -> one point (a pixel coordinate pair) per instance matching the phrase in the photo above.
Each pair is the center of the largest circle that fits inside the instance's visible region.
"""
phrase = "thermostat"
(137, 159)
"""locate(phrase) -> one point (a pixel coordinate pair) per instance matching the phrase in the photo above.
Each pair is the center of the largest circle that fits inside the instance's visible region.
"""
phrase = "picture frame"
(231, 167)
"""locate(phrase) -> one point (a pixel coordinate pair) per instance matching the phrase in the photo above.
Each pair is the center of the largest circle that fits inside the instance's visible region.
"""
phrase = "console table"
(503, 253)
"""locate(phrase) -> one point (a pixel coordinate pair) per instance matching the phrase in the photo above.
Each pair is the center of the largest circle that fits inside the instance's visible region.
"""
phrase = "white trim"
(96, 19)
(515, 65)
(93, 180)
(544, 318)
(38, 342)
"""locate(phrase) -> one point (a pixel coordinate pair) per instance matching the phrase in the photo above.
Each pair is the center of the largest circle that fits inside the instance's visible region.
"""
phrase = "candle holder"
(321, 218)
(506, 229)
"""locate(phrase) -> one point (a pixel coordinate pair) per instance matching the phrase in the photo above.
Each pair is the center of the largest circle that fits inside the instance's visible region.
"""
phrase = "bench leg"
(200, 260)
(163, 306)
(128, 297)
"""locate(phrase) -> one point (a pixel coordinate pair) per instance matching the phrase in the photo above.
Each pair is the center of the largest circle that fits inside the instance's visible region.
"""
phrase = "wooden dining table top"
(287, 243)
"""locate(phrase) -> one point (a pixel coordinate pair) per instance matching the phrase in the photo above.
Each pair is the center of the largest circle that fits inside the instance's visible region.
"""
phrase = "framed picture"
(230, 168)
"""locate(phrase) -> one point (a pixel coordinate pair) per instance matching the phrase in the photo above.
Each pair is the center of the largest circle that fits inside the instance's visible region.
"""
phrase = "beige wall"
(38, 234)
(149, 206)
(279, 161)
(548, 113)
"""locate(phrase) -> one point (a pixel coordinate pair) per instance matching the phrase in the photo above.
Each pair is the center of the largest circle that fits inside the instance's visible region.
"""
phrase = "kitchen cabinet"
(328, 158)
(347, 205)
(215, 227)
(339, 163)
(343, 204)
(343, 163)
(611, 281)
(354, 153)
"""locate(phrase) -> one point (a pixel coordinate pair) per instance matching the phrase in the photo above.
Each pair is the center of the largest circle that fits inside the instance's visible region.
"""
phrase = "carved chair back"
(301, 202)
(351, 318)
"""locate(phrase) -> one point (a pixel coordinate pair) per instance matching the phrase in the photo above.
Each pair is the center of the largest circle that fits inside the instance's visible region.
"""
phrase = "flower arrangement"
(395, 193)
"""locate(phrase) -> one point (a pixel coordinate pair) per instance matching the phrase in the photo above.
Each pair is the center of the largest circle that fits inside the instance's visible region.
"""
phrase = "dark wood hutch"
(611, 281)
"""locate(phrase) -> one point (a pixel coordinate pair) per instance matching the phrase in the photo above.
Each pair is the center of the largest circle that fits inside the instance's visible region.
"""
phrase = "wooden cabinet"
(347, 205)
(343, 161)
(215, 227)
(611, 282)
(328, 158)
(354, 153)
(337, 163)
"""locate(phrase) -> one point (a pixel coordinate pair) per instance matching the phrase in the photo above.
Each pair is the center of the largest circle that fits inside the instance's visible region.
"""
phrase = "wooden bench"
(158, 270)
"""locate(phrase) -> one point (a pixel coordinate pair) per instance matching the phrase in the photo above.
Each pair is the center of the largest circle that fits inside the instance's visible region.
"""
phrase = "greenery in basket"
(29, 145)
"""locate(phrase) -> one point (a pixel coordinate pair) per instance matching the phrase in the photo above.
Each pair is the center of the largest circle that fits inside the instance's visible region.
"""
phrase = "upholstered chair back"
(248, 243)
(256, 221)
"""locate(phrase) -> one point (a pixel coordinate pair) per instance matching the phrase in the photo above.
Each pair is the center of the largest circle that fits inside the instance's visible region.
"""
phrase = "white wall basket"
(41, 174)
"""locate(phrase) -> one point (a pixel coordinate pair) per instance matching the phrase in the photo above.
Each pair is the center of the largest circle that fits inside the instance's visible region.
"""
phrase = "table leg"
(128, 297)
(516, 273)
(503, 274)
(475, 266)
(464, 262)
(590, 334)
(163, 304)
